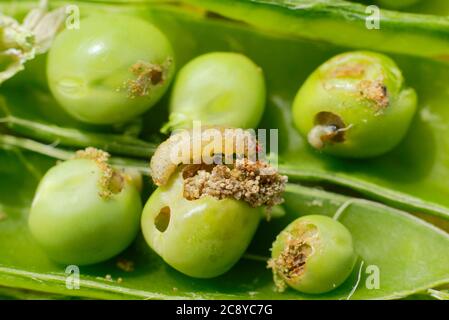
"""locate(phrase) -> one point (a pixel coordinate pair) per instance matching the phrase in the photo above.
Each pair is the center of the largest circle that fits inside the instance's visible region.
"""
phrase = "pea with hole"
(201, 238)
(355, 105)
(314, 254)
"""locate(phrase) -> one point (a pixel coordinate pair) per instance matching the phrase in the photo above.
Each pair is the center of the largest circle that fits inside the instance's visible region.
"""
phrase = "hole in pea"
(294, 258)
(116, 183)
(330, 119)
(162, 220)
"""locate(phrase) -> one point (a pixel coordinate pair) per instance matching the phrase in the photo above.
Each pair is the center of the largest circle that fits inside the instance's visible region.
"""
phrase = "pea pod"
(411, 177)
(152, 278)
(72, 137)
(402, 178)
(398, 4)
(334, 20)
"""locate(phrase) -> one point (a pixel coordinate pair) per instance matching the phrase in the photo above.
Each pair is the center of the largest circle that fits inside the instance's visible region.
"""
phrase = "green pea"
(355, 105)
(111, 70)
(219, 89)
(201, 238)
(314, 254)
(84, 212)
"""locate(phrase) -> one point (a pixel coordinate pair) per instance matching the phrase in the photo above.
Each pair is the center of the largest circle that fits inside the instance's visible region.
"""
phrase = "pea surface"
(314, 254)
(74, 223)
(355, 105)
(201, 238)
(111, 70)
(220, 88)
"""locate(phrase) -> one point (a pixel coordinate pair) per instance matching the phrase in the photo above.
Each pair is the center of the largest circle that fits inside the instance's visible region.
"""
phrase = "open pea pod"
(405, 178)
(46, 122)
(439, 294)
(404, 267)
(412, 177)
(342, 23)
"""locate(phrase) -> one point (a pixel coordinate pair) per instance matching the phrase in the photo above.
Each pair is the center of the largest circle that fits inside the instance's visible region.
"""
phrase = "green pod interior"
(411, 178)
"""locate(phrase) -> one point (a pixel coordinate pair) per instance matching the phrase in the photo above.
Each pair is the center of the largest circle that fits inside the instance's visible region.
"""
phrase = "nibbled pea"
(355, 105)
(219, 89)
(84, 211)
(314, 254)
(111, 70)
(201, 238)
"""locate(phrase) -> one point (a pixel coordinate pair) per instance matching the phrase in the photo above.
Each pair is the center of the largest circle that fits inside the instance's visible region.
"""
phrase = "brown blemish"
(291, 262)
(111, 181)
(147, 75)
(349, 70)
(375, 91)
(255, 182)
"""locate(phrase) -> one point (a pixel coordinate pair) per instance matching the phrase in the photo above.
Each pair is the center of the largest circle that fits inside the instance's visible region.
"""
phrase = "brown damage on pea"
(376, 92)
(352, 70)
(254, 182)
(372, 90)
(111, 181)
(147, 76)
(290, 265)
(241, 176)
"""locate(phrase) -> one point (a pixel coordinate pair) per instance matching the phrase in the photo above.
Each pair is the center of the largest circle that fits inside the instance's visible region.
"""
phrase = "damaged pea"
(84, 211)
(105, 73)
(355, 105)
(202, 217)
(314, 254)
